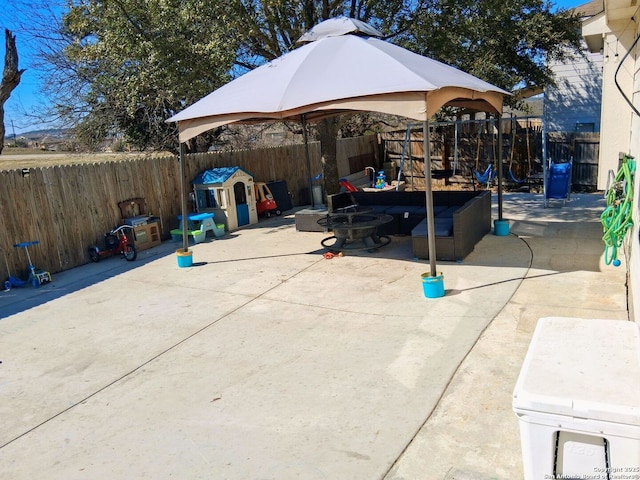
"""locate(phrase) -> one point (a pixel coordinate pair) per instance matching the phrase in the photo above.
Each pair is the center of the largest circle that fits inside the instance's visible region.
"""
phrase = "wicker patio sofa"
(461, 218)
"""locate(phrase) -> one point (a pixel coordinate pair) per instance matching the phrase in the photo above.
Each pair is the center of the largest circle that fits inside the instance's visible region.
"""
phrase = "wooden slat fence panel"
(585, 150)
(586, 158)
(71, 206)
(522, 152)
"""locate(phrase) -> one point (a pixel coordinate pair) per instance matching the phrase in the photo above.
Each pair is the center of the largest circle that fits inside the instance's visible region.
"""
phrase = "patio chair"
(558, 182)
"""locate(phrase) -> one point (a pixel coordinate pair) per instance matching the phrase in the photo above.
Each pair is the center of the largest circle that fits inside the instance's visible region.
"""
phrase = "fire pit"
(355, 228)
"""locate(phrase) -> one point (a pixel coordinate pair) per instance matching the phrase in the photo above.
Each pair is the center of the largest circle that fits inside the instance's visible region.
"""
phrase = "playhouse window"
(206, 198)
(223, 198)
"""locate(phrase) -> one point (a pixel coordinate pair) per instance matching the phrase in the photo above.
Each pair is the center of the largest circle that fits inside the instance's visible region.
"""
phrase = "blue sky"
(26, 98)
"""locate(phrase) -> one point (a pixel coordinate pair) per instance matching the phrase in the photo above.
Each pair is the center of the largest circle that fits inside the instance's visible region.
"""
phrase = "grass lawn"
(13, 158)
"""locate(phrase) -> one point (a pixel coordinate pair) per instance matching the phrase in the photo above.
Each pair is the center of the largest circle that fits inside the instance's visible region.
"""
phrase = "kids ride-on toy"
(36, 277)
(115, 242)
(265, 202)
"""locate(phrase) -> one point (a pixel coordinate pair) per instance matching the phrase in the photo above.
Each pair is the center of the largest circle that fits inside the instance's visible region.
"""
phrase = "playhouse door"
(242, 208)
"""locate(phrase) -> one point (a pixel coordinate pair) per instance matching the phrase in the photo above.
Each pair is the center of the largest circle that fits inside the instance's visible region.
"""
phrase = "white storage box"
(577, 399)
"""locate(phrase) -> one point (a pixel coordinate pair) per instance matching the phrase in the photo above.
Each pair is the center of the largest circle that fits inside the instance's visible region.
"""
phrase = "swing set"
(512, 176)
(437, 174)
(487, 176)
(483, 174)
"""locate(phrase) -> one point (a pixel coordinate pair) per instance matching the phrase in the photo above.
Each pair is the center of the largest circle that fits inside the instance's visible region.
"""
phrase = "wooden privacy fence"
(70, 207)
(584, 148)
(476, 147)
(464, 146)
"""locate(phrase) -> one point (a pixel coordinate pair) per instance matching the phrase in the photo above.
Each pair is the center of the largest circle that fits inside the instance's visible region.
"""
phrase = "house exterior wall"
(632, 241)
(575, 100)
(613, 32)
(616, 114)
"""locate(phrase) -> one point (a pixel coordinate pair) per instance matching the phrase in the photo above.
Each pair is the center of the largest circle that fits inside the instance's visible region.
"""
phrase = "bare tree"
(10, 77)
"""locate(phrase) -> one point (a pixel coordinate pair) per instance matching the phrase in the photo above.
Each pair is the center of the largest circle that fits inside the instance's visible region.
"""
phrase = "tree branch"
(10, 78)
(11, 75)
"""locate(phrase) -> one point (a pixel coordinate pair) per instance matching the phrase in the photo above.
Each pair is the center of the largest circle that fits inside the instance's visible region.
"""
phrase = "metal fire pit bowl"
(355, 229)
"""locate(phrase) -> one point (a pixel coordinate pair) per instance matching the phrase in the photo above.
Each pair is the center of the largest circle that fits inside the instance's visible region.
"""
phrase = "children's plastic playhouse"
(228, 193)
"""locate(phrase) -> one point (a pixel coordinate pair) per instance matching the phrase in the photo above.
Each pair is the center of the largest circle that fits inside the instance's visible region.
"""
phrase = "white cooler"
(577, 400)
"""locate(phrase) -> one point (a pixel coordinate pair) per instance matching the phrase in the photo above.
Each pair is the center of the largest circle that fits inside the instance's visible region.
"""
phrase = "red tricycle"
(116, 241)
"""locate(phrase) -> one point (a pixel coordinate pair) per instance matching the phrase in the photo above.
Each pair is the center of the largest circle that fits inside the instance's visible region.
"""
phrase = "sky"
(27, 98)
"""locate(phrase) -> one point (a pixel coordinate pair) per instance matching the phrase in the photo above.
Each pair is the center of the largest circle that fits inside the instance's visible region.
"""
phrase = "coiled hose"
(617, 217)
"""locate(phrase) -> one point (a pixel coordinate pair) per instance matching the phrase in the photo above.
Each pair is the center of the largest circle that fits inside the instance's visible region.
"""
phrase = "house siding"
(576, 98)
(632, 241)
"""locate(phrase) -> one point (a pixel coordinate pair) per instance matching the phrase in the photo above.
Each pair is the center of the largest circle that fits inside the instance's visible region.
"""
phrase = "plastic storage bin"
(577, 399)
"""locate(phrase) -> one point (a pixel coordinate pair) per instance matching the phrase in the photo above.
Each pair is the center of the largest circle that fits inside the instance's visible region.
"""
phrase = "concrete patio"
(267, 361)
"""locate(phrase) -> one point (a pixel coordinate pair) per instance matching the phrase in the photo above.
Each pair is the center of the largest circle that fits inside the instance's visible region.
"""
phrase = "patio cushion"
(443, 227)
(446, 213)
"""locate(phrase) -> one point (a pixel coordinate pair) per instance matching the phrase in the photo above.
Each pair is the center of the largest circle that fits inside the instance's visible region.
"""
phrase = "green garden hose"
(617, 217)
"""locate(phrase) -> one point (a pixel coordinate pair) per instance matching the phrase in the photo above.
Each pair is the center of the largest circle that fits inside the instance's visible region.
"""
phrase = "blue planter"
(433, 287)
(501, 228)
(185, 259)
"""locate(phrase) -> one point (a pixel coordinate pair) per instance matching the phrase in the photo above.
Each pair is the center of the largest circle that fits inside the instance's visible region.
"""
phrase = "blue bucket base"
(184, 260)
(501, 228)
(433, 287)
